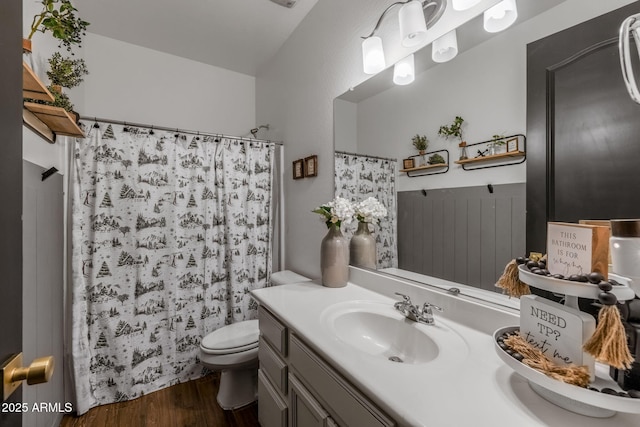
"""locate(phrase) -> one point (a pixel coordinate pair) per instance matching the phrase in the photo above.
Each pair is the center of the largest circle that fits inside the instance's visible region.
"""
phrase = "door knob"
(13, 373)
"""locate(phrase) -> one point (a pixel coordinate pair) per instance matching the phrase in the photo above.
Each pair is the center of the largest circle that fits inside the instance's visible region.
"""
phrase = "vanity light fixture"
(463, 4)
(413, 30)
(404, 71)
(501, 16)
(445, 48)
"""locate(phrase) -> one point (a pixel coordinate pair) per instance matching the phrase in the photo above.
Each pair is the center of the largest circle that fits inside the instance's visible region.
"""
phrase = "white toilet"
(233, 350)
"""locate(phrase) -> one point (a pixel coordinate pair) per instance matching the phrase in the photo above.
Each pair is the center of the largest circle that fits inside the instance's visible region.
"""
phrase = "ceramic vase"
(334, 259)
(362, 248)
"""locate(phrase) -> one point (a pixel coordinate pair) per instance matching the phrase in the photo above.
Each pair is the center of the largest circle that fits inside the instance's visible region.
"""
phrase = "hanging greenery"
(59, 18)
(66, 72)
(453, 130)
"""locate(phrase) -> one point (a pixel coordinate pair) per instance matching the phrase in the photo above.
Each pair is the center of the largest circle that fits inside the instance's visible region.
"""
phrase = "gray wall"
(465, 234)
(43, 251)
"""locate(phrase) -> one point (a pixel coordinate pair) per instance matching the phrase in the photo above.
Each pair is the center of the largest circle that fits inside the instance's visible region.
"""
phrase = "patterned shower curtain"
(170, 234)
(358, 177)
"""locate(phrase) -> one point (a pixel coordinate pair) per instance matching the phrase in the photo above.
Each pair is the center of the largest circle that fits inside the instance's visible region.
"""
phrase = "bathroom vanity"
(346, 357)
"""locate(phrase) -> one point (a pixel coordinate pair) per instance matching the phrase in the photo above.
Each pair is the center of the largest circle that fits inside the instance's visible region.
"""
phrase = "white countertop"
(479, 390)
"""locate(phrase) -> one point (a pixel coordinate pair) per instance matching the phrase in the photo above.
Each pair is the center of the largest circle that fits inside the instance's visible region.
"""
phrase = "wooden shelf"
(487, 158)
(32, 87)
(55, 118)
(419, 168)
(46, 120)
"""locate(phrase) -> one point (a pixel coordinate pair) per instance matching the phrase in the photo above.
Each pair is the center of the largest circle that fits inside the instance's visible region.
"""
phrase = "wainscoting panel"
(466, 234)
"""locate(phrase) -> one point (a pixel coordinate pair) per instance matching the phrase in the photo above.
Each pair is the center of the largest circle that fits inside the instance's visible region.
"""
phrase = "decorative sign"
(577, 248)
(556, 330)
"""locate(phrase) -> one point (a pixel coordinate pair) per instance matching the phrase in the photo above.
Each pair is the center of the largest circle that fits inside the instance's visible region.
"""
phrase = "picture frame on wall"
(298, 169)
(311, 166)
(512, 145)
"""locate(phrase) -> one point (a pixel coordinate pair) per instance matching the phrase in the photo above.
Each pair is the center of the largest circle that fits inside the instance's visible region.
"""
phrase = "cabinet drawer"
(305, 411)
(342, 400)
(272, 409)
(273, 331)
(273, 366)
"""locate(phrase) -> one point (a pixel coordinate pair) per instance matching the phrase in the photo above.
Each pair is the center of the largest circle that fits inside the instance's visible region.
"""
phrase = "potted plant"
(66, 72)
(436, 159)
(420, 142)
(454, 130)
(59, 18)
(497, 142)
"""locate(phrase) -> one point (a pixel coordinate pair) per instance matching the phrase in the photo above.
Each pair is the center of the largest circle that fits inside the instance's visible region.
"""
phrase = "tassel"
(510, 281)
(608, 344)
(534, 358)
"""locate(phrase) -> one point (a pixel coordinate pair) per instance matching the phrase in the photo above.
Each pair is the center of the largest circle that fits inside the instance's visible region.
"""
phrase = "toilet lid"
(232, 338)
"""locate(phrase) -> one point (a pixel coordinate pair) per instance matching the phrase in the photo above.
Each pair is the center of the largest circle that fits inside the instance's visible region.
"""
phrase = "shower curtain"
(170, 234)
(358, 177)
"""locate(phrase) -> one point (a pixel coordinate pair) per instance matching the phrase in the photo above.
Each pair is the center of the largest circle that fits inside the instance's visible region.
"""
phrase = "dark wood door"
(11, 192)
(583, 129)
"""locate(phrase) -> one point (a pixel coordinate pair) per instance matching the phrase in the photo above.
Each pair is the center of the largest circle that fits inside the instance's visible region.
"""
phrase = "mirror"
(486, 85)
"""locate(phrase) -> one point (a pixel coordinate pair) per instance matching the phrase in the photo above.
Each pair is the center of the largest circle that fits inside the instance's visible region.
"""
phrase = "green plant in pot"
(497, 142)
(436, 159)
(59, 18)
(420, 142)
(454, 130)
(66, 72)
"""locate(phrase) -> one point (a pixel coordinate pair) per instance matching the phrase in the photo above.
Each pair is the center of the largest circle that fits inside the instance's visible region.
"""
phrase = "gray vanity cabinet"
(297, 388)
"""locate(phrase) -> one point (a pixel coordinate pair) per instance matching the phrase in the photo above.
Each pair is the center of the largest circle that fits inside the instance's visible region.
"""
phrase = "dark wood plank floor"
(191, 404)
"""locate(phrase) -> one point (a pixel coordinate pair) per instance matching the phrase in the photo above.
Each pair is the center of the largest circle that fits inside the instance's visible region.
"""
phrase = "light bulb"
(413, 27)
(501, 16)
(464, 4)
(445, 48)
(404, 71)
(373, 55)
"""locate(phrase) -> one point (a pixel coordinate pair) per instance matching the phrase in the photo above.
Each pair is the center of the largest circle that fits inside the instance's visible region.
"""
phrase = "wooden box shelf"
(32, 87)
(57, 119)
(46, 120)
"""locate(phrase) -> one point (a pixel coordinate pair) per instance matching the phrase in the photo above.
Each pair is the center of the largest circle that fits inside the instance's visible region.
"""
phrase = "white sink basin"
(379, 331)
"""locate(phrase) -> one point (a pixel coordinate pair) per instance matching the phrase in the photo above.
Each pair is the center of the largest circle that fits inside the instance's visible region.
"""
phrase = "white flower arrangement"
(370, 210)
(336, 212)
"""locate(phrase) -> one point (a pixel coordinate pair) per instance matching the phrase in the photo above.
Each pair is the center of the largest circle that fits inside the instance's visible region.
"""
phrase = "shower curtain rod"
(366, 155)
(191, 132)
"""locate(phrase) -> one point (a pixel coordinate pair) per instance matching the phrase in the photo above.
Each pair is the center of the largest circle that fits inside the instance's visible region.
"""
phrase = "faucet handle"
(427, 307)
(406, 298)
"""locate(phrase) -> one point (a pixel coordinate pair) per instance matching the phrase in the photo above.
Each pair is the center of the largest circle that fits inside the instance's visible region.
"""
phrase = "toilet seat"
(234, 338)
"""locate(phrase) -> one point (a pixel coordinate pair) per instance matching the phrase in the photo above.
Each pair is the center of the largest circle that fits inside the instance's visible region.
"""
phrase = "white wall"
(346, 126)
(136, 84)
(320, 61)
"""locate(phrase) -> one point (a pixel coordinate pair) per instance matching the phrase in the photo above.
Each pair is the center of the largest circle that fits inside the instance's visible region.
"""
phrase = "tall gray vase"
(362, 247)
(334, 259)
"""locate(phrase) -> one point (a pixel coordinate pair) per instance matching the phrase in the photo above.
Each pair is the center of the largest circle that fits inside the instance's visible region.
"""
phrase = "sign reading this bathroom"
(577, 248)
(557, 331)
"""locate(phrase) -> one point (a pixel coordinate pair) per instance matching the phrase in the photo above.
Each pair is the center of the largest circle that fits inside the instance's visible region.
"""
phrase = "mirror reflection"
(458, 227)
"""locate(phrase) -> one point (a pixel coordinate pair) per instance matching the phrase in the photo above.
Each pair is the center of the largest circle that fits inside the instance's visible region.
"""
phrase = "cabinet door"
(305, 411)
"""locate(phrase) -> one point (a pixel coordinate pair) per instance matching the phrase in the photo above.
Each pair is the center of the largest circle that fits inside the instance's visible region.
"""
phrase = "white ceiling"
(238, 35)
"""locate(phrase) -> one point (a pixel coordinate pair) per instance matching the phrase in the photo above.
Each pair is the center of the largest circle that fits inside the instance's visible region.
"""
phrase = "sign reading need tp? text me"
(557, 331)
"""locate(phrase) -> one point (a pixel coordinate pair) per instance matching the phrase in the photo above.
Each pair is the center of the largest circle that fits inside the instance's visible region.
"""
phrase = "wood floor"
(191, 404)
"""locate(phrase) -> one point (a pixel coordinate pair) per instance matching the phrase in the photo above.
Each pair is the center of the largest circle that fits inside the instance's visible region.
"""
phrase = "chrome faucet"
(412, 312)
